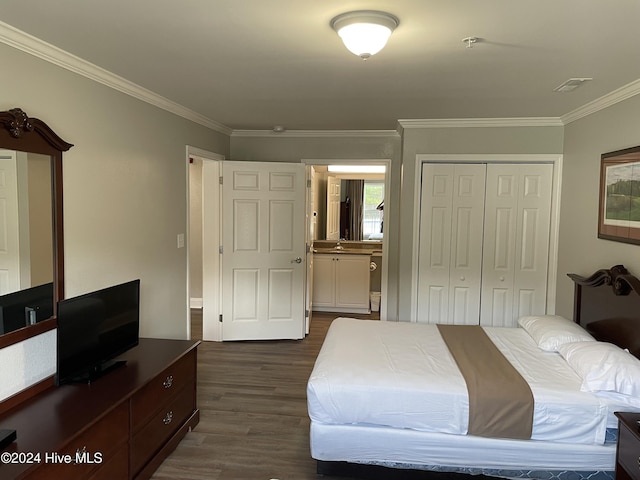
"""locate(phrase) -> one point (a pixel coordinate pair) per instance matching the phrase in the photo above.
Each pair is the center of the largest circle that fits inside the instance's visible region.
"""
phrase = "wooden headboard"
(607, 305)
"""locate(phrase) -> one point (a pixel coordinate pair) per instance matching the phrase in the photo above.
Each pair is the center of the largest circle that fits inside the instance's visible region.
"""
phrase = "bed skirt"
(410, 449)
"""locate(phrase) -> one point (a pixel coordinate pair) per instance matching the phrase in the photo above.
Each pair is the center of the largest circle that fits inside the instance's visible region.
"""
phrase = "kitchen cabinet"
(341, 283)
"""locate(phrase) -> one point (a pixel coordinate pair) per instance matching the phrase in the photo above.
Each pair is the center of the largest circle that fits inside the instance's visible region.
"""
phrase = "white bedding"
(402, 375)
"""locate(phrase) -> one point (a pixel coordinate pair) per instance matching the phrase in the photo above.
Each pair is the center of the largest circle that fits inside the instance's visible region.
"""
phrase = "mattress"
(401, 375)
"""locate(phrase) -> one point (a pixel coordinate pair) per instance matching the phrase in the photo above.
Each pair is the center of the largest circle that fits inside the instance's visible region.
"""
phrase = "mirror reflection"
(347, 205)
(26, 243)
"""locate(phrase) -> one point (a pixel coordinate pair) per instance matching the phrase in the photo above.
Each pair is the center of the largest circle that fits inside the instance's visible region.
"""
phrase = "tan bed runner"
(500, 400)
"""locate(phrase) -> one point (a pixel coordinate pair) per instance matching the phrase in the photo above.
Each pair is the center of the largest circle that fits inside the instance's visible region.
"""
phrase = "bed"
(387, 395)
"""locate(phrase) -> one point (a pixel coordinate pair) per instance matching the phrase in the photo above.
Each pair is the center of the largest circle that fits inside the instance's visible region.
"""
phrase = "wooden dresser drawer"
(152, 396)
(629, 451)
(91, 448)
(114, 466)
(152, 436)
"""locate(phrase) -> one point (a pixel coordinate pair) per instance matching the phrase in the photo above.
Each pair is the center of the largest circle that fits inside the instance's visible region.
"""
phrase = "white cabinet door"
(324, 284)
(341, 283)
(352, 281)
(516, 242)
(450, 258)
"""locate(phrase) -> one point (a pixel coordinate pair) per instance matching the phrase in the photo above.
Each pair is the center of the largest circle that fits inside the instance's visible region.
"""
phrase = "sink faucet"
(338, 246)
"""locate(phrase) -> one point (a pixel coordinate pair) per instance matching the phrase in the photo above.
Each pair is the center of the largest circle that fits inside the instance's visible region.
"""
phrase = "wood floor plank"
(253, 411)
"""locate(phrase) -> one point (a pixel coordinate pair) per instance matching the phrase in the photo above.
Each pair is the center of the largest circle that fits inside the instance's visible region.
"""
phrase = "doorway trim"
(555, 159)
(209, 325)
(309, 162)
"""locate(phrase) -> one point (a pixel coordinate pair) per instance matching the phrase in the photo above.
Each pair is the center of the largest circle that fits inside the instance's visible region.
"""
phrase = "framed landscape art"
(619, 213)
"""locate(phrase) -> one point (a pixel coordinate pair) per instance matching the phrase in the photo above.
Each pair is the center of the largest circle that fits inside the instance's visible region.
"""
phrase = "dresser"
(121, 426)
(628, 453)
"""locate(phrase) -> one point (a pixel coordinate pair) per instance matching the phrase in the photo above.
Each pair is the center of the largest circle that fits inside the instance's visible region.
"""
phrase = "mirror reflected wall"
(31, 247)
(347, 205)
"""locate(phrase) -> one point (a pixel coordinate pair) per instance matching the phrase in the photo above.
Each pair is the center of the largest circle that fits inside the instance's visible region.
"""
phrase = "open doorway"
(345, 219)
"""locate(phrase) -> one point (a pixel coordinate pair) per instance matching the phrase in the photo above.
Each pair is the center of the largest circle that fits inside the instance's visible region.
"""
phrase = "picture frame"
(619, 208)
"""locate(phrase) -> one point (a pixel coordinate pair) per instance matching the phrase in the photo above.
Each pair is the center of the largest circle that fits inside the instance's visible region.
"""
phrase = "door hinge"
(306, 313)
(220, 250)
(220, 318)
(308, 183)
(307, 248)
(220, 180)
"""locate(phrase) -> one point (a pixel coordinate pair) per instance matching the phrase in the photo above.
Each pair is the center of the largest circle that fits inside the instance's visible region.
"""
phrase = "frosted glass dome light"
(364, 32)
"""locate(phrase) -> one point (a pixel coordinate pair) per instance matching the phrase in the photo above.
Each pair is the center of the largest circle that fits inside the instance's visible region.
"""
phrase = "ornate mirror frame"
(21, 133)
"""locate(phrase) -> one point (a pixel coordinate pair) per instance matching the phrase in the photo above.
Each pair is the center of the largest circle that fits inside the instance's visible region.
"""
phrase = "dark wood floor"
(253, 410)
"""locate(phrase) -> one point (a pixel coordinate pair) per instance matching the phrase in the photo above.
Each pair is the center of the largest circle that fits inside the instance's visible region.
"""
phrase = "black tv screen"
(93, 329)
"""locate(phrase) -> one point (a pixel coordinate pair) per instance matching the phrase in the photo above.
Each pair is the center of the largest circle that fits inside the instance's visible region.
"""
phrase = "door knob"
(462, 279)
(502, 279)
(297, 260)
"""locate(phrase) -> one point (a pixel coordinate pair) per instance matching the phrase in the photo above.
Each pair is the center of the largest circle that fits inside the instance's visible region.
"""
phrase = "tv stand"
(121, 426)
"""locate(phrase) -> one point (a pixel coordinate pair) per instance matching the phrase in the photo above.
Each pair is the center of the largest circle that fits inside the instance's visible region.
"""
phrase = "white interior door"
(9, 224)
(211, 250)
(333, 208)
(263, 260)
(516, 242)
(450, 258)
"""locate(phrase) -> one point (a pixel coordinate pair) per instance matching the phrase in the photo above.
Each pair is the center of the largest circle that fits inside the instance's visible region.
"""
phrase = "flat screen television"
(26, 307)
(93, 329)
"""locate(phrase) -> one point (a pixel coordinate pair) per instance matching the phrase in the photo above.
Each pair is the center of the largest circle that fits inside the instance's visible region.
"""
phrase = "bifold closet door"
(450, 250)
(516, 242)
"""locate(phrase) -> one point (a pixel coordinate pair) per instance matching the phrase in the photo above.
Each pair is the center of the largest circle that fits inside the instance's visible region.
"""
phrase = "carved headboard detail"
(607, 305)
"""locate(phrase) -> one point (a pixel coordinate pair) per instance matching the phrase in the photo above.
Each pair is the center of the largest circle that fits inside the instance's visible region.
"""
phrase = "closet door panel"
(517, 225)
(466, 249)
(450, 253)
(435, 243)
(499, 245)
(532, 246)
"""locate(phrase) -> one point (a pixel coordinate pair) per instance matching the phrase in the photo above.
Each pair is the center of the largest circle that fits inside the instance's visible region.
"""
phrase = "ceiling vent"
(571, 84)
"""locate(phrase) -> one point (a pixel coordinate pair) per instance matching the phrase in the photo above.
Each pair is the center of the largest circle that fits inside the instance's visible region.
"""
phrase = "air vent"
(571, 84)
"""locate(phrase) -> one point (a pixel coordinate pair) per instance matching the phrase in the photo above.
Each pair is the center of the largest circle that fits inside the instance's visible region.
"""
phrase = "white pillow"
(603, 367)
(551, 331)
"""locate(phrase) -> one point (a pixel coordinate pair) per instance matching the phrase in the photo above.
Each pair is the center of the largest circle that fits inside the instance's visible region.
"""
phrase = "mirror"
(31, 237)
(336, 197)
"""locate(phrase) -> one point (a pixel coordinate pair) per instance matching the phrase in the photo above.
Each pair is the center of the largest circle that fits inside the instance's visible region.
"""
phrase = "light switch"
(181, 240)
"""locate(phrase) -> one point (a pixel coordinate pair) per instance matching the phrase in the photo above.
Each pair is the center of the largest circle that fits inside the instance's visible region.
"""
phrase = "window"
(371, 215)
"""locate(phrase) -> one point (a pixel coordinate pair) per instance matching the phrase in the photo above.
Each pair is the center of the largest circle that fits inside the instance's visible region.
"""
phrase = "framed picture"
(619, 214)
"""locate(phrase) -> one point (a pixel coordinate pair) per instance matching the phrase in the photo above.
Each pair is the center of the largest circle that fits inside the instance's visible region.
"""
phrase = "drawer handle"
(168, 382)
(167, 418)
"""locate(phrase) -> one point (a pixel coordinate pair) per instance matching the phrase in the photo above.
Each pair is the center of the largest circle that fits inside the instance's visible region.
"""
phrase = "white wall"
(125, 190)
(581, 251)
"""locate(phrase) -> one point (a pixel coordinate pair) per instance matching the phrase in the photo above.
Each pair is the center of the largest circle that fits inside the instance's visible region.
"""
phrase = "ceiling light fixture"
(364, 32)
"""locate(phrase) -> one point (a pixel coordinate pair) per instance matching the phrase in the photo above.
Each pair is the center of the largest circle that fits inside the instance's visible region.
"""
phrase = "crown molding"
(20, 40)
(316, 133)
(34, 46)
(480, 122)
(627, 91)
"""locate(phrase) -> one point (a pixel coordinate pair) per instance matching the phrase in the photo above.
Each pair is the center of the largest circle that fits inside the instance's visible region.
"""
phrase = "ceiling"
(254, 64)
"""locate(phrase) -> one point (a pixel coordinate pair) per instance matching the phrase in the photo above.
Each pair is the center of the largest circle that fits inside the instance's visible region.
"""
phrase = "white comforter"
(402, 375)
